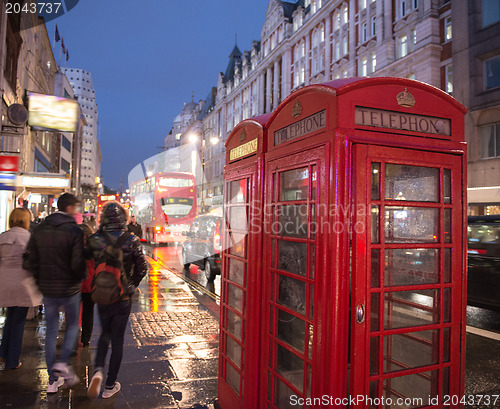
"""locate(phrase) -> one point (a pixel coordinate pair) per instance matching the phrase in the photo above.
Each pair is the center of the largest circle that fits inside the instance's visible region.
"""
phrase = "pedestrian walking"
(92, 223)
(87, 303)
(18, 290)
(113, 242)
(134, 227)
(55, 256)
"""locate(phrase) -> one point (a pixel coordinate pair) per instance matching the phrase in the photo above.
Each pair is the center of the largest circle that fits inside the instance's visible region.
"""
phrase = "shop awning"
(483, 195)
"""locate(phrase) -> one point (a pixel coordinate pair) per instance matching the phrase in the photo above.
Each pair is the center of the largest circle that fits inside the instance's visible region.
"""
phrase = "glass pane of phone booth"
(291, 327)
(410, 290)
(234, 278)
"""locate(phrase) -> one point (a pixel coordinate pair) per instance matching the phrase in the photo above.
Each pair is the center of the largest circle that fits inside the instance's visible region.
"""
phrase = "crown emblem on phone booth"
(405, 99)
(243, 135)
(297, 109)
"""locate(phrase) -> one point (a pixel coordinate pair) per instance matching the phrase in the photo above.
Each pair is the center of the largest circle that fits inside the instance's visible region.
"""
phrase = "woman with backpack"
(18, 291)
(119, 268)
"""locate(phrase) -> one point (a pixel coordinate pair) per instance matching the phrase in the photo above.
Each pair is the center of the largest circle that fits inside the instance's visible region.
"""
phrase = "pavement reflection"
(170, 256)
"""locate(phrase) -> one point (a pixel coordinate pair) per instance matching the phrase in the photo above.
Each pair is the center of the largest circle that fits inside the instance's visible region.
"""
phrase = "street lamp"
(214, 140)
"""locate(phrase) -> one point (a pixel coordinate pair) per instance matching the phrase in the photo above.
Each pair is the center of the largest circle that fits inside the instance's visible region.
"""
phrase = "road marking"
(483, 333)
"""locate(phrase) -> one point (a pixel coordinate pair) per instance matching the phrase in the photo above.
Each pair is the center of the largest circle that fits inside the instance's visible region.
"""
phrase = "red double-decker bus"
(164, 205)
(101, 201)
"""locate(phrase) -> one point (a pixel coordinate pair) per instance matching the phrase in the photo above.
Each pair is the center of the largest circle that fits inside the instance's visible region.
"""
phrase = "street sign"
(7, 181)
(9, 163)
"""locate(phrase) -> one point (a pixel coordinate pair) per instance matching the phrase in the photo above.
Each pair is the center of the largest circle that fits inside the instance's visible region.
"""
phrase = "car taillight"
(158, 228)
(217, 238)
(476, 251)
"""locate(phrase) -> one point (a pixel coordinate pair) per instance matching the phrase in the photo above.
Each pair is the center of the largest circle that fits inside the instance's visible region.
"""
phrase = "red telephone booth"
(364, 214)
(241, 266)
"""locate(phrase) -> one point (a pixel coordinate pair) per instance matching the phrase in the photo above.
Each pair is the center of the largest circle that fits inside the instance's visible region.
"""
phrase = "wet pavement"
(171, 256)
(170, 354)
(171, 349)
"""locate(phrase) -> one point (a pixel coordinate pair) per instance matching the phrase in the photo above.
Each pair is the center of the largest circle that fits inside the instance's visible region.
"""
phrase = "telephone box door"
(407, 277)
(295, 195)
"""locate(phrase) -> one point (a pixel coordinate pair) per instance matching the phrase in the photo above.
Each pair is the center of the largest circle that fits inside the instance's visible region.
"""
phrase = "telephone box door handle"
(360, 313)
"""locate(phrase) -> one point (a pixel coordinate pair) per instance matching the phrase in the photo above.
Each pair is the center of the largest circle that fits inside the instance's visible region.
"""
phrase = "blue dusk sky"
(146, 58)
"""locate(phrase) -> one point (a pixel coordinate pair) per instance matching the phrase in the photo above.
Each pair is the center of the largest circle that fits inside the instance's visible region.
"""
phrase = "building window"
(403, 46)
(402, 8)
(492, 72)
(344, 74)
(364, 67)
(374, 62)
(322, 33)
(345, 14)
(313, 7)
(344, 46)
(336, 21)
(491, 12)
(490, 139)
(447, 29)
(315, 39)
(374, 26)
(65, 165)
(362, 4)
(66, 143)
(413, 39)
(307, 3)
(336, 50)
(448, 75)
(364, 33)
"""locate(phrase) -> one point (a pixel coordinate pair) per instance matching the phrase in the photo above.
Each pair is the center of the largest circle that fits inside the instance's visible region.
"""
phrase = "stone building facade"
(27, 64)
(313, 41)
(476, 62)
(83, 88)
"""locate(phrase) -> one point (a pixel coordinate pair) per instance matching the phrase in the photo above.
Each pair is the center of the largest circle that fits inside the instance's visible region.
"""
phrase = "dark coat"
(55, 256)
(136, 229)
(114, 222)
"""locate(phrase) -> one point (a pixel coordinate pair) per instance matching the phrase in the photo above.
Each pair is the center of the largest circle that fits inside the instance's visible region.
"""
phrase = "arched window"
(336, 21)
(315, 38)
(345, 14)
(322, 33)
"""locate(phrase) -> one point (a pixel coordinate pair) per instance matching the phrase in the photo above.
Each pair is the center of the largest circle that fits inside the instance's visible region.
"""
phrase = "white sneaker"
(95, 385)
(67, 372)
(108, 393)
(54, 386)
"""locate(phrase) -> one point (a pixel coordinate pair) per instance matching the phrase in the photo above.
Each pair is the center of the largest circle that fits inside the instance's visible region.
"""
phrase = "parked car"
(483, 286)
(203, 245)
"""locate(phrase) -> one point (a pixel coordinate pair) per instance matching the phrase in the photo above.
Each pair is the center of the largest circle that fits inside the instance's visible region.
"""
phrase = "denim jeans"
(71, 306)
(114, 320)
(12, 339)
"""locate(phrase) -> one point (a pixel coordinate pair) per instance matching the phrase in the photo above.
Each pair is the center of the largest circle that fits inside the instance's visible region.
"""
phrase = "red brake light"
(217, 238)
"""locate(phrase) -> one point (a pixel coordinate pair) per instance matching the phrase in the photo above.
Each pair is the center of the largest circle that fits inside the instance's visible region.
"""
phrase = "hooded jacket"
(55, 256)
(114, 223)
(18, 287)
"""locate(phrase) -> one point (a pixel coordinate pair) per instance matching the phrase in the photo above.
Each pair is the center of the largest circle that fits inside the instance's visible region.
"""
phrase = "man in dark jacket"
(134, 227)
(114, 317)
(55, 255)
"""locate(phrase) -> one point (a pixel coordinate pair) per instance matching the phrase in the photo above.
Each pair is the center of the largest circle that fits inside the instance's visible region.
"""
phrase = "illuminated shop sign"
(45, 182)
(402, 121)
